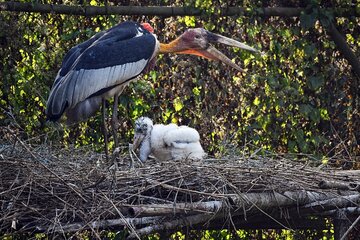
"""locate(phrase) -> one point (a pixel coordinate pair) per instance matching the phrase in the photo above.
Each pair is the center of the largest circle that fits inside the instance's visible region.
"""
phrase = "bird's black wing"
(114, 58)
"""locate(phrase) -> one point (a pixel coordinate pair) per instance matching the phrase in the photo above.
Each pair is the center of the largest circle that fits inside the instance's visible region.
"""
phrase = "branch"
(172, 209)
(339, 185)
(344, 48)
(348, 173)
(98, 10)
(175, 224)
(163, 10)
(347, 211)
(250, 201)
(258, 201)
(330, 204)
(101, 224)
(350, 228)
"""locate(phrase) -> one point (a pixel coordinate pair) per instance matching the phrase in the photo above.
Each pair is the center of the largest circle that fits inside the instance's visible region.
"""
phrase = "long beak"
(214, 54)
(138, 138)
(213, 37)
(181, 46)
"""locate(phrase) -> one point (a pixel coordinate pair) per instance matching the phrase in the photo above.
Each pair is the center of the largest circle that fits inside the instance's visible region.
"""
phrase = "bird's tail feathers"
(83, 110)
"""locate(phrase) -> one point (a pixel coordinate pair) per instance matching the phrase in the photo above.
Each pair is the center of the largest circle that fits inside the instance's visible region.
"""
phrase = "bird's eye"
(197, 36)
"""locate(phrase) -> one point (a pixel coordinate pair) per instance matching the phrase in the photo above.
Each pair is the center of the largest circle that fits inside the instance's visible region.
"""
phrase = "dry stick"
(102, 224)
(350, 228)
(254, 204)
(150, 187)
(165, 209)
(347, 173)
(339, 202)
(190, 220)
(187, 190)
(337, 185)
(147, 197)
(48, 169)
(133, 231)
(161, 10)
(346, 211)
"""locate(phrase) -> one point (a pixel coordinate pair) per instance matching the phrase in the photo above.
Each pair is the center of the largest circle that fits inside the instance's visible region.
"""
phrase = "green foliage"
(300, 97)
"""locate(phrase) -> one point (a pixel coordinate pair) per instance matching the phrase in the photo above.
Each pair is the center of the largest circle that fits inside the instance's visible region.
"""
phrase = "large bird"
(166, 142)
(102, 66)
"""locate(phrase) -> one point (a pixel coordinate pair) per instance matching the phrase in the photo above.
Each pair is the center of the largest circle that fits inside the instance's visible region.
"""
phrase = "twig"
(48, 169)
(350, 228)
(131, 228)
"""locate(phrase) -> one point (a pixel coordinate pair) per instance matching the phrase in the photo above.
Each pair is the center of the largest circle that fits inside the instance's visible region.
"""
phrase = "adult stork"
(102, 66)
(166, 142)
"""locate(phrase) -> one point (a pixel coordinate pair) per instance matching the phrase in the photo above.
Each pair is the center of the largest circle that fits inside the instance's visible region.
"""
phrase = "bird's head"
(197, 41)
(143, 127)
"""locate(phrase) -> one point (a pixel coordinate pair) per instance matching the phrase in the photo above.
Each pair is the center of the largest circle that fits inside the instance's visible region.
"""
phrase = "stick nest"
(43, 187)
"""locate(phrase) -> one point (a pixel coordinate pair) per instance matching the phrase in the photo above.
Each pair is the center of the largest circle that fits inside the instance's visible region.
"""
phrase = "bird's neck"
(145, 148)
(179, 47)
(174, 46)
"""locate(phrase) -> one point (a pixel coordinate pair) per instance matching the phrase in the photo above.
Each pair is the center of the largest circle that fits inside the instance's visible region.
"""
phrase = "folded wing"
(99, 67)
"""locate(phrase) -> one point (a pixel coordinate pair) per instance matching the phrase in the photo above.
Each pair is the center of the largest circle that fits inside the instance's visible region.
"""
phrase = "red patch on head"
(148, 27)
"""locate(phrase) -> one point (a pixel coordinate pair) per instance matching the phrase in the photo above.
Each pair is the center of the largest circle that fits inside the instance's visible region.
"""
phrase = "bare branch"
(344, 48)
(161, 10)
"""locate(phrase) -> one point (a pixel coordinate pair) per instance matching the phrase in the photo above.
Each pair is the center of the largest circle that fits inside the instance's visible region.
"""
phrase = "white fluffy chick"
(166, 142)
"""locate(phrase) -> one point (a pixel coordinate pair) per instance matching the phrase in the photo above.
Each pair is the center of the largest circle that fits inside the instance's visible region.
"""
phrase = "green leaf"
(305, 110)
(324, 114)
(315, 115)
(189, 21)
(178, 105)
(315, 82)
(196, 91)
(256, 101)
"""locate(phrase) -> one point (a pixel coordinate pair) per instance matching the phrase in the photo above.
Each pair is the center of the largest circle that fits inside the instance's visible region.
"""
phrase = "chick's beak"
(138, 138)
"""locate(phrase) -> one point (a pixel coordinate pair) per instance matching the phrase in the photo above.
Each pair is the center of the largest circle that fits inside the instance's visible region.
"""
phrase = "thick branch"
(101, 224)
(251, 201)
(174, 224)
(344, 48)
(338, 202)
(98, 10)
(172, 209)
(161, 11)
(339, 185)
(347, 211)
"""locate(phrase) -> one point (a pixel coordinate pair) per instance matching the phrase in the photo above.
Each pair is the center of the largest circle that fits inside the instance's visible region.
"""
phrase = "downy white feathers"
(166, 142)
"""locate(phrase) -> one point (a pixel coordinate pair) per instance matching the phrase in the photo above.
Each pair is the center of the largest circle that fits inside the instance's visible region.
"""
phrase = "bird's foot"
(132, 156)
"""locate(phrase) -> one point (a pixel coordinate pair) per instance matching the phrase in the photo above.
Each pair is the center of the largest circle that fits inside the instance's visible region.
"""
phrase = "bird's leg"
(115, 126)
(104, 129)
(115, 121)
(132, 154)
